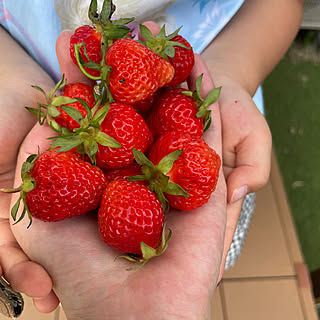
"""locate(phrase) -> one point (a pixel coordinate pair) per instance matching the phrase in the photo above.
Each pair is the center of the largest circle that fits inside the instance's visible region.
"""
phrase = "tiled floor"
(269, 281)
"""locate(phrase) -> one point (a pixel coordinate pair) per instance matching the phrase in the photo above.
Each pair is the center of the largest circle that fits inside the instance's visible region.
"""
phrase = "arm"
(254, 41)
(239, 59)
(18, 73)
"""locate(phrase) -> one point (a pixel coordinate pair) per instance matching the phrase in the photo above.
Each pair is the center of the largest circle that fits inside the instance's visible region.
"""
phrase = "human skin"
(237, 71)
(239, 59)
(87, 280)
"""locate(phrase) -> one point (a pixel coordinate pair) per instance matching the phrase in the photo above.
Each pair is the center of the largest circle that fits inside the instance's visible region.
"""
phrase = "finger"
(26, 276)
(252, 164)
(23, 275)
(152, 26)
(47, 304)
(213, 134)
(68, 68)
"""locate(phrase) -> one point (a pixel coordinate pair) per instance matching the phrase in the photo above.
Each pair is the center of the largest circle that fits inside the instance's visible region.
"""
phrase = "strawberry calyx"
(110, 30)
(147, 251)
(203, 104)
(86, 138)
(161, 43)
(159, 181)
(48, 111)
(28, 184)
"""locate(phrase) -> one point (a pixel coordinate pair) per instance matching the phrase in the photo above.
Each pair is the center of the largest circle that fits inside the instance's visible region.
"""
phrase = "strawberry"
(133, 169)
(144, 106)
(137, 72)
(89, 43)
(131, 220)
(91, 37)
(183, 111)
(76, 91)
(182, 61)
(109, 136)
(181, 168)
(175, 112)
(175, 49)
(129, 129)
(58, 185)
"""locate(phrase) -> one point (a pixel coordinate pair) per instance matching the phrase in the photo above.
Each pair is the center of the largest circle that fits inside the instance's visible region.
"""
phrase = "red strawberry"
(130, 214)
(96, 38)
(137, 72)
(129, 129)
(174, 48)
(145, 105)
(76, 91)
(92, 40)
(182, 111)
(196, 170)
(59, 185)
(183, 61)
(175, 111)
(133, 169)
(109, 136)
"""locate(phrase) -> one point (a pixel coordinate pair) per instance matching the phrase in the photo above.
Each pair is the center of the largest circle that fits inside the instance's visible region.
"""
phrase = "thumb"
(67, 67)
(252, 165)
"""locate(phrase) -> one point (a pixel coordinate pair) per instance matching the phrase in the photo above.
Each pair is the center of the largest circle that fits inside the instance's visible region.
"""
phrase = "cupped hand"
(246, 150)
(87, 280)
(18, 73)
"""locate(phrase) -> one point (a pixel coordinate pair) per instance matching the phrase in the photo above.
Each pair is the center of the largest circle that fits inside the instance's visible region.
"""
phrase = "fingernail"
(239, 194)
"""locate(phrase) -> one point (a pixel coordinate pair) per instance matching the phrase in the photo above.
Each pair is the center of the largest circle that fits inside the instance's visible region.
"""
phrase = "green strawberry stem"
(28, 184)
(109, 30)
(159, 181)
(203, 104)
(47, 112)
(87, 138)
(148, 252)
(161, 43)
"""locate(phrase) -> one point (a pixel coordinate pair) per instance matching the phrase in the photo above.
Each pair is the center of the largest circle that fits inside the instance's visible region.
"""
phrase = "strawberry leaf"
(73, 113)
(142, 159)
(53, 111)
(212, 97)
(86, 106)
(60, 100)
(26, 167)
(169, 51)
(15, 209)
(166, 163)
(67, 143)
(105, 140)
(147, 251)
(198, 85)
(174, 189)
(101, 114)
(137, 178)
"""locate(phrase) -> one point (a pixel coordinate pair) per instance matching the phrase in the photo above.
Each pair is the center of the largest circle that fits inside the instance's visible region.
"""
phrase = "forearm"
(254, 41)
(18, 71)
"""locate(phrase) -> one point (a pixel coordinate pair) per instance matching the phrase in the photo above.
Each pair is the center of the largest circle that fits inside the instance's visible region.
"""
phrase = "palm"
(78, 261)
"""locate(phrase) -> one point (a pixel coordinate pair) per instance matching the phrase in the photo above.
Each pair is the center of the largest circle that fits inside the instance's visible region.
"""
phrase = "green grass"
(292, 107)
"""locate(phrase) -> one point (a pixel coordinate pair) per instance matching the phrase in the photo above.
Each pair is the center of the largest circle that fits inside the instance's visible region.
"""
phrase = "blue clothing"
(36, 24)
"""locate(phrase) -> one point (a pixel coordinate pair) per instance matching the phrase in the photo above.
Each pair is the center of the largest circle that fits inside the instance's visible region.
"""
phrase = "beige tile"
(265, 251)
(262, 299)
(30, 312)
(216, 306)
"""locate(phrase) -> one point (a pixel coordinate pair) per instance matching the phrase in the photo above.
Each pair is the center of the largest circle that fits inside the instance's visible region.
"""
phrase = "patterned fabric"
(241, 230)
(36, 24)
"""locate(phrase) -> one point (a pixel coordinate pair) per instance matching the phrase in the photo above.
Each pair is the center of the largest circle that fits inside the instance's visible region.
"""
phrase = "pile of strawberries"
(128, 148)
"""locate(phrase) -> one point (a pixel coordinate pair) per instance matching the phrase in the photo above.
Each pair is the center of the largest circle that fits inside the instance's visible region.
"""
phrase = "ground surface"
(292, 107)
